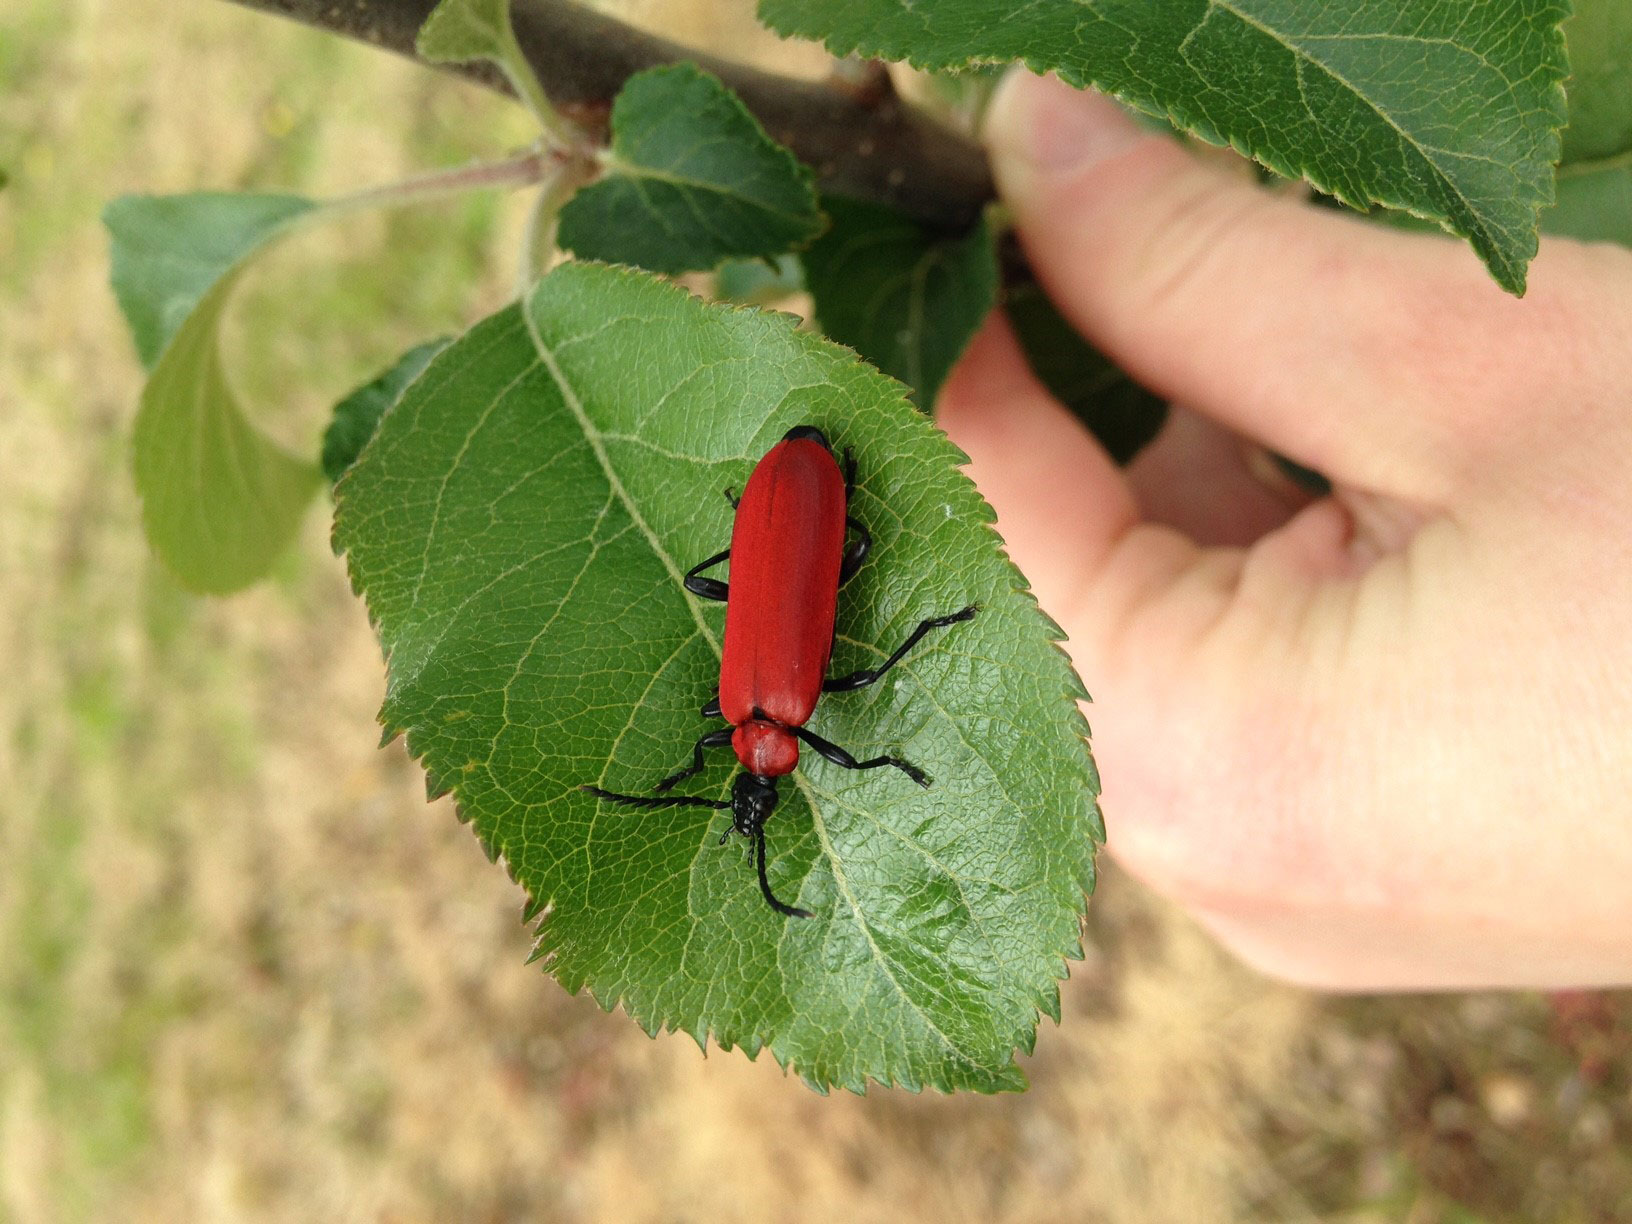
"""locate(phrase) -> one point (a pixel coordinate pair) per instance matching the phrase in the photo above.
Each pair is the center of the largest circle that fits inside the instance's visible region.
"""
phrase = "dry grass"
(248, 974)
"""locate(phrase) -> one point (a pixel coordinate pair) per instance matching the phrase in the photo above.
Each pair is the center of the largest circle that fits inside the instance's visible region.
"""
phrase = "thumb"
(1334, 341)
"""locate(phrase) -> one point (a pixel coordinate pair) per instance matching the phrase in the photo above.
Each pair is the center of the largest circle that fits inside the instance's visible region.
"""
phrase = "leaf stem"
(558, 131)
(519, 171)
(556, 189)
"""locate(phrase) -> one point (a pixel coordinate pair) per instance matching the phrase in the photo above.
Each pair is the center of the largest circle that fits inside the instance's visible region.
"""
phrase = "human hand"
(1380, 740)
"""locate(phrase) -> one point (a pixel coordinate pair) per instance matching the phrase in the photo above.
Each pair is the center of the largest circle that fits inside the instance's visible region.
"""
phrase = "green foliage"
(758, 282)
(1437, 107)
(692, 179)
(519, 527)
(1595, 180)
(1594, 202)
(907, 299)
(220, 500)
(462, 30)
(356, 416)
(1599, 34)
(168, 251)
(1121, 413)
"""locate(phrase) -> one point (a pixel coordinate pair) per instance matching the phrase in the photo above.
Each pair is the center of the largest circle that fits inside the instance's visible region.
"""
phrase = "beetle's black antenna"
(658, 801)
(792, 911)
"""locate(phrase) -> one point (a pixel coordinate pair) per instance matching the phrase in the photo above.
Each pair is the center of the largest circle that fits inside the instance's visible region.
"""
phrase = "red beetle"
(788, 559)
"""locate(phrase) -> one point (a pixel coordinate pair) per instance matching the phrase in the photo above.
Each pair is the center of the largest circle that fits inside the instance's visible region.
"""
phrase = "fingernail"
(1046, 125)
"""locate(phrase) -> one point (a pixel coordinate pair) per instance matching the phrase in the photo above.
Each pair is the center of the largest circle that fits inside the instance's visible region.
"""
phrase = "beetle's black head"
(753, 799)
(809, 432)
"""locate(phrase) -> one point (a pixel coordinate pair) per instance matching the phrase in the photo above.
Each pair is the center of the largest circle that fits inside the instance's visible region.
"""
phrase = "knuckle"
(1186, 236)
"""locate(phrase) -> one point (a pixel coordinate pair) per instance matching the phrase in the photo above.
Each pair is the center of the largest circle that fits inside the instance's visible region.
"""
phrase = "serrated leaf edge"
(1511, 276)
(536, 910)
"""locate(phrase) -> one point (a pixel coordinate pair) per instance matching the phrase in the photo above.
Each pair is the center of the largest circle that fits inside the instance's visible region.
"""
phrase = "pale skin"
(1376, 741)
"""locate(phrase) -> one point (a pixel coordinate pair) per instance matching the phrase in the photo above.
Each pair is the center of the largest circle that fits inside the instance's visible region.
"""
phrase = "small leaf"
(220, 500)
(461, 30)
(758, 282)
(169, 250)
(1595, 179)
(519, 527)
(356, 416)
(692, 180)
(1599, 35)
(458, 31)
(1122, 414)
(903, 296)
(1594, 202)
(1446, 110)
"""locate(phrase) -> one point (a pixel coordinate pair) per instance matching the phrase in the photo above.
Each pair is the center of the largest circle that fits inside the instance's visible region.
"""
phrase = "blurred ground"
(245, 972)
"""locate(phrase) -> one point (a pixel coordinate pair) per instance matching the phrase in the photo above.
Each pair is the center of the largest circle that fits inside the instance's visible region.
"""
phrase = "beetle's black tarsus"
(832, 752)
(866, 676)
(791, 911)
(713, 739)
(733, 499)
(658, 801)
(708, 588)
(849, 473)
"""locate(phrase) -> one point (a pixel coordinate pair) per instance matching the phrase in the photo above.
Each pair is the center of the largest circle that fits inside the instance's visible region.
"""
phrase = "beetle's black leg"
(713, 739)
(864, 677)
(712, 709)
(707, 588)
(792, 911)
(658, 801)
(733, 499)
(842, 758)
(849, 473)
(856, 552)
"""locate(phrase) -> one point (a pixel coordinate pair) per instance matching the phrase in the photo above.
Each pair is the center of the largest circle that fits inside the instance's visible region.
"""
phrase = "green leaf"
(692, 179)
(1599, 35)
(1122, 414)
(1594, 201)
(220, 500)
(461, 30)
(458, 31)
(519, 527)
(1445, 109)
(903, 296)
(169, 250)
(1595, 181)
(758, 282)
(356, 416)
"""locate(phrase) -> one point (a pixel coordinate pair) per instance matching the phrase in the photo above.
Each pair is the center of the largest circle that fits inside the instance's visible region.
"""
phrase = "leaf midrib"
(633, 170)
(595, 438)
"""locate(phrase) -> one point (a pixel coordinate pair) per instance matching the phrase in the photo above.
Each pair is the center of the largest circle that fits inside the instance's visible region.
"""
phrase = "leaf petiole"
(522, 170)
(557, 186)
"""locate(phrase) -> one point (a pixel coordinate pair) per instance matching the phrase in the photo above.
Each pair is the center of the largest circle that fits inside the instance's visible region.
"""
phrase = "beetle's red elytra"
(790, 552)
(787, 556)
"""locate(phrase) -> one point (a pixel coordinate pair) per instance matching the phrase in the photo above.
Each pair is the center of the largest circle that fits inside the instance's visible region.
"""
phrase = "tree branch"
(862, 141)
